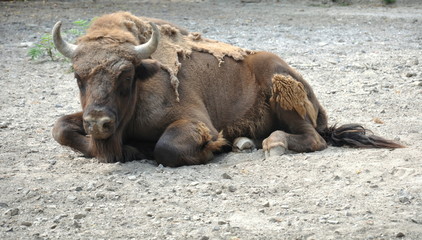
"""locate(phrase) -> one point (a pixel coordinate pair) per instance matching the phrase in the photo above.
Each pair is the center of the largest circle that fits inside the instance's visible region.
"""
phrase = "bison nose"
(99, 125)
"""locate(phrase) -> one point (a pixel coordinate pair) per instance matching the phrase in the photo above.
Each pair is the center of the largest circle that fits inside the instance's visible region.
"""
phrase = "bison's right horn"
(65, 48)
(147, 49)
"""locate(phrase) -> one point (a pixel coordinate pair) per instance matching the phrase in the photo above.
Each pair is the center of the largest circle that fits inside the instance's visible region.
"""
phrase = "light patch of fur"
(174, 45)
(291, 95)
(216, 48)
(203, 136)
(123, 27)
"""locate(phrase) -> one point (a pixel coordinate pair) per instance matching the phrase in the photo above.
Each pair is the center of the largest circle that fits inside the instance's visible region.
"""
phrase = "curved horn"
(147, 49)
(65, 48)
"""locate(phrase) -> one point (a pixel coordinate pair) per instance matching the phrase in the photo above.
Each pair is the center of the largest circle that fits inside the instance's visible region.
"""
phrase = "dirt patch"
(363, 62)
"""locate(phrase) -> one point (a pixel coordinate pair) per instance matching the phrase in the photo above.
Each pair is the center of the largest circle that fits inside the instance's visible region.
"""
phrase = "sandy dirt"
(364, 63)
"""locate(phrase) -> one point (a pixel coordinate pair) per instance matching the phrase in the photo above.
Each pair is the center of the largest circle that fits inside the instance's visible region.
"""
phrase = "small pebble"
(79, 216)
(194, 183)
(267, 204)
(275, 220)
(12, 212)
(232, 188)
(216, 228)
(57, 218)
(51, 162)
(100, 195)
(26, 224)
(76, 224)
(3, 205)
(332, 222)
(71, 198)
(226, 176)
(404, 194)
(132, 177)
(400, 235)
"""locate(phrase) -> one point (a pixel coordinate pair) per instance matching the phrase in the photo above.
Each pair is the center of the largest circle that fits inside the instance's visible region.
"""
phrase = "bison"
(179, 98)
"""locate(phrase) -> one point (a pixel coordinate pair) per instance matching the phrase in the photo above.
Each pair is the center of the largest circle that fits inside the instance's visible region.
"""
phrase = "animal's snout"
(99, 124)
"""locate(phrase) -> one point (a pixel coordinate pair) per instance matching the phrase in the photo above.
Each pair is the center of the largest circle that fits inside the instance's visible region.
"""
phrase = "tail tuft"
(355, 135)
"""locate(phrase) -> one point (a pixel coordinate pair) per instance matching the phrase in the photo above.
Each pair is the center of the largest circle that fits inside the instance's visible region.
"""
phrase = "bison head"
(106, 72)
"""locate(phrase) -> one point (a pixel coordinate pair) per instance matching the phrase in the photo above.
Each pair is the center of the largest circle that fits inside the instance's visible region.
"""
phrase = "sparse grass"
(45, 46)
(342, 2)
(389, 1)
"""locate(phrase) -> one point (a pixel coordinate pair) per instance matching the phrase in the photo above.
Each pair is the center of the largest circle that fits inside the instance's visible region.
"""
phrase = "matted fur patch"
(291, 95)
(175, 42)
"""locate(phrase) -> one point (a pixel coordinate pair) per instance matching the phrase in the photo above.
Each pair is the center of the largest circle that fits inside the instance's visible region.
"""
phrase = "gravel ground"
(364, 62)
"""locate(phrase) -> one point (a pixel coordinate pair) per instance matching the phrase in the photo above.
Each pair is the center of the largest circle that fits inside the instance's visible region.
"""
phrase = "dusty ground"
(364, 62)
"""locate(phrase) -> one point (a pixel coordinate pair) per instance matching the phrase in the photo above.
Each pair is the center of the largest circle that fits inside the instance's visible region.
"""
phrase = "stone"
(410, 75)
(12, 212)
(400, 235)
(26, 224)
(226, 176)
(79, 216)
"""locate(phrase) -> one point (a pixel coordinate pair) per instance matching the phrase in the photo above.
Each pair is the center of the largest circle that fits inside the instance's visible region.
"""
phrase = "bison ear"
(147, 69)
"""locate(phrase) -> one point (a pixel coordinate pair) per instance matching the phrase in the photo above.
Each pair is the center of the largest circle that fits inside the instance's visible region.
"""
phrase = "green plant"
(45, 46)
(389, 1)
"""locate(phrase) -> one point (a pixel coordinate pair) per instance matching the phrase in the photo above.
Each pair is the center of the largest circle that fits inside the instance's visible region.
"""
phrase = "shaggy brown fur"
(123, 27)
(204, 138)
(291, 95)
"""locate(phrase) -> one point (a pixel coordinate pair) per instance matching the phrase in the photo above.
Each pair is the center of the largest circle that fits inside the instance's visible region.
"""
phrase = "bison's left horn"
(65, 48)
(147, 49)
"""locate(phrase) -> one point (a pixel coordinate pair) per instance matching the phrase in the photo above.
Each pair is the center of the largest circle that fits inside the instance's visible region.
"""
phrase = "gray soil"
(364, 63)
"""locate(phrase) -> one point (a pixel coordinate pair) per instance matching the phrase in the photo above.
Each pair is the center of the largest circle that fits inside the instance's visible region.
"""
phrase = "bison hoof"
(243, 145)
(275, 151)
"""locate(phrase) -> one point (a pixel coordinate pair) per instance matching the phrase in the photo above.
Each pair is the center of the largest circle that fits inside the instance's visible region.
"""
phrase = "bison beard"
(180, 97)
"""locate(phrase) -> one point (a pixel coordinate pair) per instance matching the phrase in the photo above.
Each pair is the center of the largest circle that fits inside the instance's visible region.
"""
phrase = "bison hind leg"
(188, 142)
(297, 119)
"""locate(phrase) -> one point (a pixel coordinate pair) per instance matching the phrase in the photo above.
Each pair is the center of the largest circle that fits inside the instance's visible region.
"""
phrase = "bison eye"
(124, 88)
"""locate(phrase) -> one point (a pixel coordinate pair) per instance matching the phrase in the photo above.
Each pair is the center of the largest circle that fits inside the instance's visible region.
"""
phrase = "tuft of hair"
(355, 135)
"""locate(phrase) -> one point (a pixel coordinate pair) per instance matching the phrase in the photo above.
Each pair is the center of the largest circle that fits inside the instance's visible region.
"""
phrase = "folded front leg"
(69, 131)
(187, 142)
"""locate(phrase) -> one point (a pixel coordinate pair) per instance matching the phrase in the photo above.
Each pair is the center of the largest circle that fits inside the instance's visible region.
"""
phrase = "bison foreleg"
(69, 131)
(187, 142)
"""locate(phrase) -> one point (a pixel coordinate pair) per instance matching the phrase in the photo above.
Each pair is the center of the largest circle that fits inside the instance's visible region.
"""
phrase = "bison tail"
(354, 135)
